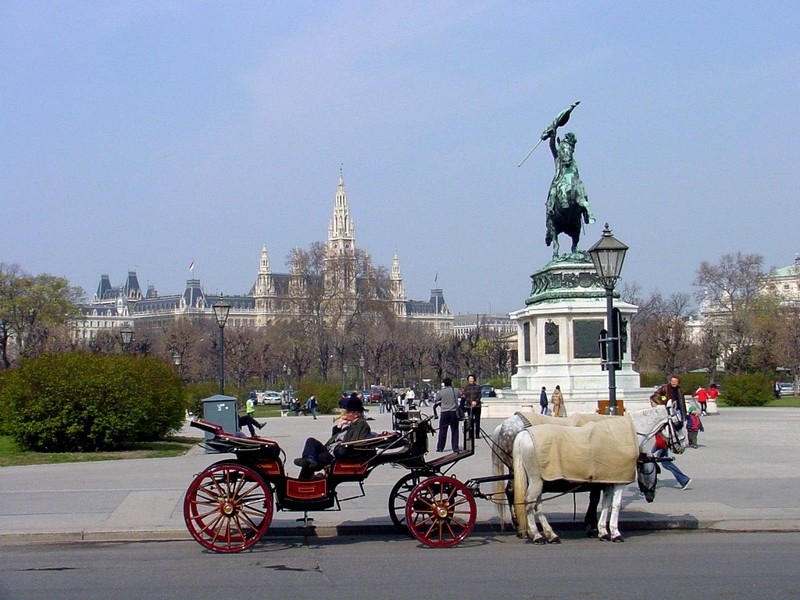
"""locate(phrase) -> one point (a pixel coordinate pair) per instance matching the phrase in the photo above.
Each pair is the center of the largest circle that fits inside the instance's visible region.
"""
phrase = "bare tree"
(729, 290)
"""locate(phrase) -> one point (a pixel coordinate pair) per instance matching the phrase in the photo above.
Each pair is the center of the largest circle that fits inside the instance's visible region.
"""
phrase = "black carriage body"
(230, 504)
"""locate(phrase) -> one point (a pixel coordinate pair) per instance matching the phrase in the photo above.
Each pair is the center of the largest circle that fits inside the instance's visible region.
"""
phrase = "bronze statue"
(567, 202)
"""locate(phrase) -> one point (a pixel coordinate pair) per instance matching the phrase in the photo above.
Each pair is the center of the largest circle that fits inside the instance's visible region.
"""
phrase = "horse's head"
(647, 471)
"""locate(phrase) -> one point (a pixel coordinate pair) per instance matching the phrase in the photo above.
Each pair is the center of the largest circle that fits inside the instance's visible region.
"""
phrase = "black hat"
(354, 403)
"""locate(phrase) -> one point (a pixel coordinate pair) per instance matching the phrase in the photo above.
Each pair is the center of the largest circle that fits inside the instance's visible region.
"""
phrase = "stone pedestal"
(557, 342)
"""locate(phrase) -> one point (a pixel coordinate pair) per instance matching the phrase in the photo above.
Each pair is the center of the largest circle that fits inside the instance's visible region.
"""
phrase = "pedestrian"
(492, 393)
(447, 399)
(693, 426)
(713, 393)
(776, 389)
(311, 405)
(410, 397)
(472, 405)
(249, 417)
(543, 400)
(661, 450)
(673, 392)
(558, 403)
(702, 398)
(424, 400)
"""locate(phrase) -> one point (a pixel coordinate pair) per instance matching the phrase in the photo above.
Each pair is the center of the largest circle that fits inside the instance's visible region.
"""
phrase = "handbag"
(460, 413)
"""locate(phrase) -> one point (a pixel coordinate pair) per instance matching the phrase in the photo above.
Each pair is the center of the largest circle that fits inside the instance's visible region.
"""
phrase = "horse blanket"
(599, 451)
(575, 420)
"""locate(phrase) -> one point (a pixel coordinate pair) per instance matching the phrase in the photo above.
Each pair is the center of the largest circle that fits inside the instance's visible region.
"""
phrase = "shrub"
(327, 394)
(89, 402)
(747, 389)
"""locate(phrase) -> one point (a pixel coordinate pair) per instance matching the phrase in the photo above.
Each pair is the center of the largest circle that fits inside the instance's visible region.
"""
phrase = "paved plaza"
(745, 476)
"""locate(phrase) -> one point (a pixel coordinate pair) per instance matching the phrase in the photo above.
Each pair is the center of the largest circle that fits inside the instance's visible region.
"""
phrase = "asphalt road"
(685, 565)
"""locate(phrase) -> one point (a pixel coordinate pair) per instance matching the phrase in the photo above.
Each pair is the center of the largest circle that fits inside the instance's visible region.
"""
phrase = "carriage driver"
(350, 426)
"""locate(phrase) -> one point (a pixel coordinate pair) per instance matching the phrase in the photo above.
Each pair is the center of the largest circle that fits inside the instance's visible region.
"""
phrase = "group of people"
(559, 410)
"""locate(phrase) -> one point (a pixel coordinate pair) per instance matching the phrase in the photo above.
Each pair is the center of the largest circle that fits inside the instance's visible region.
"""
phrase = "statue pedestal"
(557, 341)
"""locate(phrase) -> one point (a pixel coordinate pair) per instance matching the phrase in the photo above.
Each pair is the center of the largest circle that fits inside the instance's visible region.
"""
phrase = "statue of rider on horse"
(567, 202)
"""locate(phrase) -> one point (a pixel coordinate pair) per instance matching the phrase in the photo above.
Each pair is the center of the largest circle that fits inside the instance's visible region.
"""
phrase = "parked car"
(787, 389)
(485, 389)
(269, 397)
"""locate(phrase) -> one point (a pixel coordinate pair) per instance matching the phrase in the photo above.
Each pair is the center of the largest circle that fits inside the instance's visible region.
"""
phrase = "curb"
(332, 531)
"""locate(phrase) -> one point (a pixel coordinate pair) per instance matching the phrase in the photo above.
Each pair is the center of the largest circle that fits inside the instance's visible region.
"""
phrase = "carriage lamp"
(221, 310)
(126, 333)
(608, 254)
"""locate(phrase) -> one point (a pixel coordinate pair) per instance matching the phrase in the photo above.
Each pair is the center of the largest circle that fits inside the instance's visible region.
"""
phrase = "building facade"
(273, 296)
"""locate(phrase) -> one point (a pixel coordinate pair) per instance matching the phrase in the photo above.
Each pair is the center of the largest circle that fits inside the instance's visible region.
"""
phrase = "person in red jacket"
(702, 398)
(713, 392)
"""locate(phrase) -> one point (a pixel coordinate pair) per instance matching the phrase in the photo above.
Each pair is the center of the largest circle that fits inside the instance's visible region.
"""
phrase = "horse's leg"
(590, 520)
(548, 531)
(602, 529)
(616, 503)
(527, 486)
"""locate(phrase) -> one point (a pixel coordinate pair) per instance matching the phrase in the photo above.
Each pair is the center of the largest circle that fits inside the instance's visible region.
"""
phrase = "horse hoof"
(539, 541)
(604, 538)
(555, 540)
(617, 539)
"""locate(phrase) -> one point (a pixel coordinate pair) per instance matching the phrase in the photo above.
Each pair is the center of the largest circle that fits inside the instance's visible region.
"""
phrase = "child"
(693, 426)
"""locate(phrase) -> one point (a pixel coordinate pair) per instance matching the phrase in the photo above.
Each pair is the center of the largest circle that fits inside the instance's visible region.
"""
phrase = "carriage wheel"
(398, 499)
(440, 512)
(228, 507)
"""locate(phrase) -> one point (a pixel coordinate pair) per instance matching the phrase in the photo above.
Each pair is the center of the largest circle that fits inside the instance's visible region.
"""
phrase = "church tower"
(264, 289)
(396, 289)
(340, 259)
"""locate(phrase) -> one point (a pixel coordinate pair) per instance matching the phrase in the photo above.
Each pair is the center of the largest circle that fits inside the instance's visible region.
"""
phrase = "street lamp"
(344, 376)
(361, 368)
(176, 360)
(221, 310)
(127, 337)
(608, 254)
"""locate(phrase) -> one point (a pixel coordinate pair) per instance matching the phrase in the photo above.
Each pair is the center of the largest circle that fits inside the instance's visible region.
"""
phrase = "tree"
(729, 291)
(31, 307)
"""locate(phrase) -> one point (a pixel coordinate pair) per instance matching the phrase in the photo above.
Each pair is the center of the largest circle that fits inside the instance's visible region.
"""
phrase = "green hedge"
(88, 402)
(747, 389)
(327, 394)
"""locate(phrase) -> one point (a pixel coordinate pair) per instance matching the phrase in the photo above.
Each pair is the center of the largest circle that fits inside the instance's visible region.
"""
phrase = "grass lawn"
(784, 402)
(11, 455)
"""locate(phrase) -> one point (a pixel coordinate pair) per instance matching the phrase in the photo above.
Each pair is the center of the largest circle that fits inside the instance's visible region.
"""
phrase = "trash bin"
(221, 410)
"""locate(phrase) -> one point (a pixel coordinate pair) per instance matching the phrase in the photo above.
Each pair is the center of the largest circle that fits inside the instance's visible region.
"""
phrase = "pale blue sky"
(143, 135)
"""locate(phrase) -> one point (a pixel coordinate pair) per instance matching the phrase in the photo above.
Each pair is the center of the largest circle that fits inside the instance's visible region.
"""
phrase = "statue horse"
(504, 436)
(566, 216)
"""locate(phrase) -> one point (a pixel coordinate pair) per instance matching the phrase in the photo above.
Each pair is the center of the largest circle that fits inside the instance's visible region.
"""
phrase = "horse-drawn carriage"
(229, 506)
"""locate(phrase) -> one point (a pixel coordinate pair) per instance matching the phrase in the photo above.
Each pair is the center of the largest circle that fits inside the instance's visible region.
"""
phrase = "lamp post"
(221, 310)
(608, 254)
(344, 377)
(361, 368)
(176, 360)
(126, 333)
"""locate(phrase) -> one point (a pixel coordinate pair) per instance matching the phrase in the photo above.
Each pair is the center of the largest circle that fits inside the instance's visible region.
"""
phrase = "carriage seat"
(235, 442)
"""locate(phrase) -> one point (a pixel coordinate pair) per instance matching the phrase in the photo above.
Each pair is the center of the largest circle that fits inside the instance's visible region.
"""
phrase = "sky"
(148, 135)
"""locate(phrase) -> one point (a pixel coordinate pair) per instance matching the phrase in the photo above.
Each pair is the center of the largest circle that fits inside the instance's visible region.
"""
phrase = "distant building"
(500, 324)
(274, 296)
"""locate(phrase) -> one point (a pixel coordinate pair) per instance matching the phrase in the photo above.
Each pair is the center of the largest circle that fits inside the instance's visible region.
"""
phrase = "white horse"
(528, 484)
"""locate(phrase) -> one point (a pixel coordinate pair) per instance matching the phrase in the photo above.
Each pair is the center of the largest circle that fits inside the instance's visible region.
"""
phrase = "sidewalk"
(745, 476)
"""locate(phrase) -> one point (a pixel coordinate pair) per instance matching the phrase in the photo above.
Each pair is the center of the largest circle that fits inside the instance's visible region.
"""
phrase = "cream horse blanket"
(596, 448)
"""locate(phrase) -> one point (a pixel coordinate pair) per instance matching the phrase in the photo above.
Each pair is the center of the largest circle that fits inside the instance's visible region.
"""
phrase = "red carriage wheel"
(440, 512)
(228, 507)
(398, 500)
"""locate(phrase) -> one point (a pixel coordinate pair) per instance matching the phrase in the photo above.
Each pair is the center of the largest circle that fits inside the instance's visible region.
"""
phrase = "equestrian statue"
(567, 206)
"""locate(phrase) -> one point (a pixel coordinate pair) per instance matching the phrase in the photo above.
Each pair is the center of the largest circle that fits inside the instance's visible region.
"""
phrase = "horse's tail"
(498, 469)
(520, 484)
